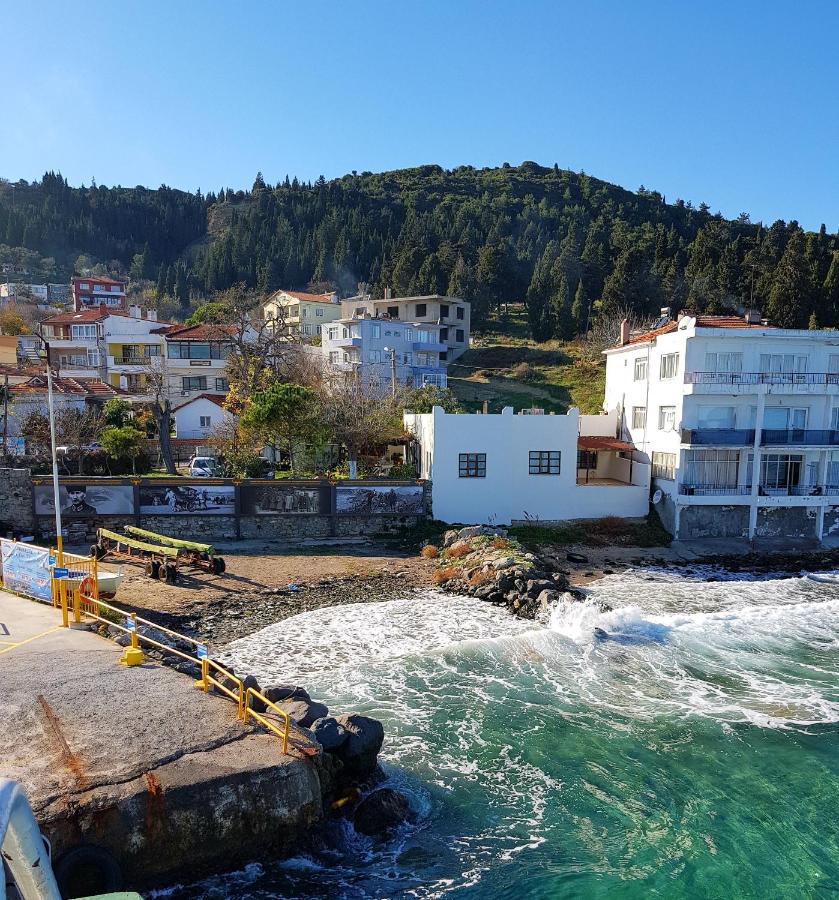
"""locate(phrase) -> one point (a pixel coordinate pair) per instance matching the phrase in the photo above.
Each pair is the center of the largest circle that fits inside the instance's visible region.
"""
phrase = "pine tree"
(579, 309)
(831, 292)
(161, 281)
(539, 293)
(562, 315)
(791, 292)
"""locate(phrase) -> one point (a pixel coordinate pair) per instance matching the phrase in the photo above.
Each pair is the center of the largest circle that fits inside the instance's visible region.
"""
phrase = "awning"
(603, 443)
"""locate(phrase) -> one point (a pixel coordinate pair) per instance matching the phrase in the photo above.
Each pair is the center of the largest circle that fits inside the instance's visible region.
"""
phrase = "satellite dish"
(657, 497)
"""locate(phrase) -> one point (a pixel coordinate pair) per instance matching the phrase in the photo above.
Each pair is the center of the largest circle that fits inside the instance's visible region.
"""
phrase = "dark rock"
(304, 713)
(277, 692)
(576, 558)
(365, 739)
(329, 733)
(380, 812)
(256, 704)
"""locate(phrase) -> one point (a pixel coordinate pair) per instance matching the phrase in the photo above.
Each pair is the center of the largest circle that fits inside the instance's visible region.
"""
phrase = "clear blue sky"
(733, 103)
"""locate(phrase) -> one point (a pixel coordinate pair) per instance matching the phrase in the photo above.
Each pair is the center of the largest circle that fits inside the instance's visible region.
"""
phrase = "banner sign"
(26, 569)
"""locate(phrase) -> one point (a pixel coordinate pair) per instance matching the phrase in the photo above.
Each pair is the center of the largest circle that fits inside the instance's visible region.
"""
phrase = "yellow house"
(8, 349)
(302, 312)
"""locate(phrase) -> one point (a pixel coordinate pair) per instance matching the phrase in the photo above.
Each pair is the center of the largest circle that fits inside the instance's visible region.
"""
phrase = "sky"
(730, 103)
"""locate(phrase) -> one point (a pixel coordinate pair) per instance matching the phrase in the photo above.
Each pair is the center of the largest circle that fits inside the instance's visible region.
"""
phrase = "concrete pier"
(138, 761)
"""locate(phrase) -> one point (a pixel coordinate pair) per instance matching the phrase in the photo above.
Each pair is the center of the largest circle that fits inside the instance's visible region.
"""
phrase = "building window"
(444, 334)
(444, 310)
(304, 313)
(641, 368)
(319, 312)
(459, 312)
(669, 366)
(775, 363)
(664, 466)
(222, 384)
(544, 462)
(308, 329)
(195, 383)
(393, 312)
(332, 333)
(779, 471)
(716, 417)
(666, 418)
(422, 310)
(711, 468)
(639, 416)
(472, 465)
(374, 356)
(586, 459)
(459, 336)
(196, 350)
(408, 358)
(293, 312)
(723, 362)
(85, 332)
(444, 356)
(334, 357)
(377, 331)
(205, 421)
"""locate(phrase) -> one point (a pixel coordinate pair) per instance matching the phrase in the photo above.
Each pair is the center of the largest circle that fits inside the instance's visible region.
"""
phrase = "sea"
(683, 743)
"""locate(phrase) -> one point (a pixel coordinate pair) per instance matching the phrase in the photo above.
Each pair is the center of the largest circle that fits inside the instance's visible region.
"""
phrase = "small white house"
(201, 416)
(508, 468)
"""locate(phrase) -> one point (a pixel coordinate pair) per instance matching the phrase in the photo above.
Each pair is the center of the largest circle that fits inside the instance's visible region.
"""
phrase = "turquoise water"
(684, 744)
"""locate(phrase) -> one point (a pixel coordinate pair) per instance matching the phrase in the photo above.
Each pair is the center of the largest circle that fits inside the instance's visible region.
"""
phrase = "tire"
(88, 870)
(216, 565)
(153, 569)
(222, 565)
(170, 574)
(94, 550)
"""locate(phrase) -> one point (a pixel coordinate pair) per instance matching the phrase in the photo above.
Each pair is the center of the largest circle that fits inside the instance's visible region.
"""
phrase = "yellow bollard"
(203, 684)
(62, 597)
(133, 655)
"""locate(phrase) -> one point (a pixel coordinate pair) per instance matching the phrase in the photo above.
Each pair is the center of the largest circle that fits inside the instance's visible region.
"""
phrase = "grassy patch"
(608, 532)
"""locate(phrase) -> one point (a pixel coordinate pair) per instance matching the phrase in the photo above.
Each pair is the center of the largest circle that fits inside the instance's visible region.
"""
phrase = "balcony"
(799, 437)
(718, 437)
(714, 490)
(429, 347)
(764, 490)
(344, 342)
(754, 382)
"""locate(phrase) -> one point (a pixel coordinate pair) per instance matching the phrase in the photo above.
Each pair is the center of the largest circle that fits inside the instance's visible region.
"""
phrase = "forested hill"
(571, 245)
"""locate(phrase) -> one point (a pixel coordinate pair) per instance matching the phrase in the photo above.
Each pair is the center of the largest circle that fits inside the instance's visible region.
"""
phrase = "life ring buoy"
(87, 587)
(88, 870)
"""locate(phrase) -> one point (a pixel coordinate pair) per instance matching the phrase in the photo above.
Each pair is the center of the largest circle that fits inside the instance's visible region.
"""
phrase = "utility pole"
(5, 415)
(58, 537)
(392, 370)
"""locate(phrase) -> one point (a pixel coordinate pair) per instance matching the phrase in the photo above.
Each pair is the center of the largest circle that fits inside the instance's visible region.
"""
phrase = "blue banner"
(26, 569)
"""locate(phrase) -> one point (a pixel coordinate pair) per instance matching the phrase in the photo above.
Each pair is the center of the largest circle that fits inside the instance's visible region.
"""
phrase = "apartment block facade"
(380, 350)
(450, 313)
(740, 422)
(94, 293)
(303, 313)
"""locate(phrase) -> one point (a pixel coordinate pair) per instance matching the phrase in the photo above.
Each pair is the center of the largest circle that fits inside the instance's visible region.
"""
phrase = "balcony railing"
(714, 490)
(764, 490)
(796, 437)
(756, 378)
(718, 437)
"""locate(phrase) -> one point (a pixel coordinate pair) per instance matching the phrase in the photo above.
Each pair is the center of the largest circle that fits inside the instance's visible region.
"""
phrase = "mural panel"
(182, 499)
(85, 500)
(367, 500)
(270, 499)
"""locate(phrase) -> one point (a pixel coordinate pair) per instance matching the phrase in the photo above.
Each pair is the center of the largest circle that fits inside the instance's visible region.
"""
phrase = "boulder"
(277, 692)
(256, 704)
(449, 538)
(302, 712)
(365, 739)
(459, 547)
(505, 562)
(470, 531)
(329, 733)
(380, 812)
(547, 599)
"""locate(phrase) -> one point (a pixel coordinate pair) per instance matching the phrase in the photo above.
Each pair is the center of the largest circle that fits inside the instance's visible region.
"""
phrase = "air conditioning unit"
(185, 393)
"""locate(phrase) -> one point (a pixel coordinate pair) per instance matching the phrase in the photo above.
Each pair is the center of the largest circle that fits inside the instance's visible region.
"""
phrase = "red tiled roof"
(97, 279)
(309, 298)
(197, 332)
(19, 370)
(213, 398)
(701, 322)
(602, 443)
(80, 386)
(96, 314)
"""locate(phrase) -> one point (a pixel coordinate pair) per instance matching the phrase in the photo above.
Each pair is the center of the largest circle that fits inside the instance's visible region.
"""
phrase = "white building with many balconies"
(381, 350)
(740, 421)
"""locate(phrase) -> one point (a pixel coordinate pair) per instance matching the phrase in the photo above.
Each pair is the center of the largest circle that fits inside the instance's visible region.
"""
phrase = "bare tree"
(158, 389)
(605, 332)
(76, 429)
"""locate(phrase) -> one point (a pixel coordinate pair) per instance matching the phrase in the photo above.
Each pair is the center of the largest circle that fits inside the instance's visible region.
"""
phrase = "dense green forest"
(572, 246)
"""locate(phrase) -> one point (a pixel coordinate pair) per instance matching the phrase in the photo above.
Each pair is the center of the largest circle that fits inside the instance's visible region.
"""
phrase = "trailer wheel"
(216, 565)
(153, 569)
(171, 574)
(94, 550)
(222, 565)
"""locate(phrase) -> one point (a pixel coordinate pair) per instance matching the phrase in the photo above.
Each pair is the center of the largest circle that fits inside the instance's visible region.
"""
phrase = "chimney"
(151, 315)
(624, 333)
(486, 407)
(387, 293)
(752, 317)
(665, 312)
(134, 311)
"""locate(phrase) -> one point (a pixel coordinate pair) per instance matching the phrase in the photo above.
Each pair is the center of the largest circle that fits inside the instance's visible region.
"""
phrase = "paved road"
(74, 718)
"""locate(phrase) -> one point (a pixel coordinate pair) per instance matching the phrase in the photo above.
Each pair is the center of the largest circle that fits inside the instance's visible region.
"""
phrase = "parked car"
(204, 467)
(92, 447)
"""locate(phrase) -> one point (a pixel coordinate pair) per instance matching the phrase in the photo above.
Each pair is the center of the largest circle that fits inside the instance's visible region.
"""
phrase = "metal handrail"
(267, 723)
(805, 378)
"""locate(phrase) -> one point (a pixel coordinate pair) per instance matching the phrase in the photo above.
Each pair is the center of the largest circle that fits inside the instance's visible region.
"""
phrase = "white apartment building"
(503, 469)
(381, 349)
(302, 312)
(450, 313)
(740, 422)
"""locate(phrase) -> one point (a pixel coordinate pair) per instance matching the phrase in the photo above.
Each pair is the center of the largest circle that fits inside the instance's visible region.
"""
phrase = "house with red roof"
(302, 312)
(201, 417)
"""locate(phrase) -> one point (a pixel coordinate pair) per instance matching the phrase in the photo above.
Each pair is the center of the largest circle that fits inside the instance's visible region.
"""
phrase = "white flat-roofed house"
(740, 422)
(381, 349)
(505, 468)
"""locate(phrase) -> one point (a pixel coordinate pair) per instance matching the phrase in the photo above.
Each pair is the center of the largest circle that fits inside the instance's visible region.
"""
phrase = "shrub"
(443, 575)
(500, 543)
(476, 579)
(429, 551)
(524, 372)
(459, 550)
(402, 472)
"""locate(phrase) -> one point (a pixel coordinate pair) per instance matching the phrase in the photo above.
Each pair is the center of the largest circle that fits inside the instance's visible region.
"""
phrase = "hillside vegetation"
(572, 246)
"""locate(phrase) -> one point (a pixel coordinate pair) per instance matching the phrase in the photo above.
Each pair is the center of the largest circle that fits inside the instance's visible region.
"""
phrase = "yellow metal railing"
(212, 674)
